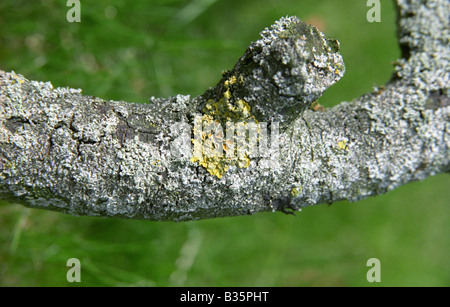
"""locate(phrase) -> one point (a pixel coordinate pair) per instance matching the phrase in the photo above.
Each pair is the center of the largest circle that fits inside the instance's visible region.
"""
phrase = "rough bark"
(83, 155)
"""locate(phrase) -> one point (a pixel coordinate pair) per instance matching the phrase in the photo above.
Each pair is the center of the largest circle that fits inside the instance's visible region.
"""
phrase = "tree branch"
(83, 155)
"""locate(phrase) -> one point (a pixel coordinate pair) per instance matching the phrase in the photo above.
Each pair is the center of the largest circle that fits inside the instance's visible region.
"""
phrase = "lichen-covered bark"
(83, 155)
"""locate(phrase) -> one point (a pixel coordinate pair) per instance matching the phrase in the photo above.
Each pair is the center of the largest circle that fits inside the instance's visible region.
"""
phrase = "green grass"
(131, 50)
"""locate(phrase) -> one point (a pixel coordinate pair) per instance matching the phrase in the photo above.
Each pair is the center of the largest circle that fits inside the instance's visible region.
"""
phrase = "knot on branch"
(283, 72)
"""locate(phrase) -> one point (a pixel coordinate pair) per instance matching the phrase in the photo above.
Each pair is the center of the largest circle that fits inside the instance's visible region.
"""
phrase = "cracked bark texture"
(83, 155)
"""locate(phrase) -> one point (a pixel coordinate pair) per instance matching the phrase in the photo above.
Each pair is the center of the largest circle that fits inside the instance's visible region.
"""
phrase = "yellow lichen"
(342, 144)
(17, 78)
(208, 148)
(315, 106)
(296, 191)
(232, 80)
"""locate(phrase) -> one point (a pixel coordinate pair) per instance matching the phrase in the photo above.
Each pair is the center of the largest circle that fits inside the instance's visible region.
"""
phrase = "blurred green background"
(131, 50)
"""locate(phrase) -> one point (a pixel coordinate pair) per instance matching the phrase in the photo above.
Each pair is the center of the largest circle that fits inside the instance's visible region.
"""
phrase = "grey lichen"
(82, 155)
